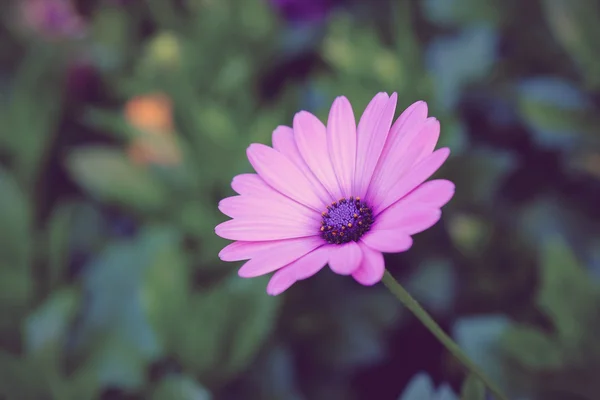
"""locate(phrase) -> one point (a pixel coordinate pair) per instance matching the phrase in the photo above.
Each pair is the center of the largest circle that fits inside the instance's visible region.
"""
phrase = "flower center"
(346, 220)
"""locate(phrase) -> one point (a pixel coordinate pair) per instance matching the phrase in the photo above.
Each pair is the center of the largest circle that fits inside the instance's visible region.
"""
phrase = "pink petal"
(311, 139)
(284, 142)
(303, 268)
(282, 175)
(404, 130)
(345, 258)
(371, 268)
(249, 184)
(240, 250)
(413, 147)
(341, 142)
(430, 137)
(413, 178)
(388, 240)
(278, 256)
(408, 218)
(269, 205)
(372, 133)
(265, 228)
(433, 194)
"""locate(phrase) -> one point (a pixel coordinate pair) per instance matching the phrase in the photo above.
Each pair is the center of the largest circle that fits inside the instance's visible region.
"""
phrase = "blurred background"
(123, 122)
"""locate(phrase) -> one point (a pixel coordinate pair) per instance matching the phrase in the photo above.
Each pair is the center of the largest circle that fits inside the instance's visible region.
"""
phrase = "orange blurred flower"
(152, 116)
(150, 113)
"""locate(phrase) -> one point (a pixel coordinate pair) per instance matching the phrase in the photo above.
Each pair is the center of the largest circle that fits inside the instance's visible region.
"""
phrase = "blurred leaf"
(114, 333)
(434, 285)
(470, 234)
(16, 250)
(109, 176)
(558, 112)
(15, 221)
(463, 12)
(419, 387)
(472, 389)
(180, 388)
(109, 122)
(36, 88)
(59, 238)
(479, 338)
(47, 326)
(460, 60)
(567, 295)
(532, 348)
(111, 29)
(479, 174)
(224, 327)
(576, 25)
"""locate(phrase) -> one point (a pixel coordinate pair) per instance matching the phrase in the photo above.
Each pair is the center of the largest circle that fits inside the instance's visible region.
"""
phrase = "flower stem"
(423, 316)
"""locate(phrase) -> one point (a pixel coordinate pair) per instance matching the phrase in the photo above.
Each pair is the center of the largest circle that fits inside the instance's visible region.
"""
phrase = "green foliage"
(110, 177)
(472, 389)
(110, 281)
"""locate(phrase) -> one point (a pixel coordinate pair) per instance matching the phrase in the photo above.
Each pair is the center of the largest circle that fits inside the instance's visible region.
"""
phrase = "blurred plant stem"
(410, 303)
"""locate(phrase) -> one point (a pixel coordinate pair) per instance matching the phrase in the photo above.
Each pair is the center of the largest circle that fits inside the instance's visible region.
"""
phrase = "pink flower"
(340, 195)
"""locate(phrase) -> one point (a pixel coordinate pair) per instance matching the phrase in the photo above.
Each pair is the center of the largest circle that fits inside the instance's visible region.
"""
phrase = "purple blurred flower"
(52, 19)
(303, 10)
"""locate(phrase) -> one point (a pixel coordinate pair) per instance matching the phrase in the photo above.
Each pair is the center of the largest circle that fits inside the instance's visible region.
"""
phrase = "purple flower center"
(346, 220)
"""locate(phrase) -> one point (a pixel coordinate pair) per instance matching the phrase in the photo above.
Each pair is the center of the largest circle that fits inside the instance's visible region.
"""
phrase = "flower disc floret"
(346, 220)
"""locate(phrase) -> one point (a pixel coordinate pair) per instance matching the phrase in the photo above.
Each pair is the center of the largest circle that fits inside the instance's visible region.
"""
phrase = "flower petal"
(241, 250)
(371, 268)
(341, 142)
(269, 205)
(249, 184)
(311, 138)
(265, 228)
(372, 133)
(434, 194)
(410, 219)
(345, 258)
(284, 142)
(388, 240)
(402, 132)
(413, 178)
(414, 146)
(282, 175)
(302, 268)
(278, 256)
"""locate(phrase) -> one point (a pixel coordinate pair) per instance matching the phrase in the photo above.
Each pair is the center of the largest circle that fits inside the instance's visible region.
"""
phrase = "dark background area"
(123, 122)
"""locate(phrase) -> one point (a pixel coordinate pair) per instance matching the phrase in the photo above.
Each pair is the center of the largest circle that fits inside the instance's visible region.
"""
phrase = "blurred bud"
(150, 113)
(152, 116)
(51, 19)
(165, 50)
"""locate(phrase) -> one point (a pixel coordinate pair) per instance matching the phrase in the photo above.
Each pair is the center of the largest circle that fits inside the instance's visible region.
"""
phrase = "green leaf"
(472, 389)
(47, 326)
(15, 223)
(532, 348)
(179, 388)
(109, 176)
(37, 86)
(16, 250)
(224, 327)
(567, 294)
(576, 25)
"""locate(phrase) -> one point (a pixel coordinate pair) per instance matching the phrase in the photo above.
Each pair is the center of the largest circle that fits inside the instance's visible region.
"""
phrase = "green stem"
(423, 316)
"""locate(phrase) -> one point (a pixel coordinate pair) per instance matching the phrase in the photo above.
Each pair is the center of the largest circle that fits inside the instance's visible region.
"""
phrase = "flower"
(52, 19)
(152, 116)
(340, 195)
